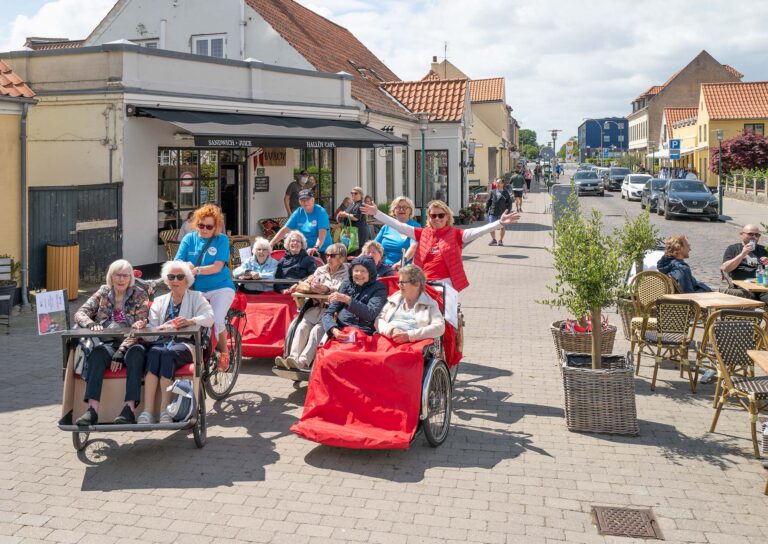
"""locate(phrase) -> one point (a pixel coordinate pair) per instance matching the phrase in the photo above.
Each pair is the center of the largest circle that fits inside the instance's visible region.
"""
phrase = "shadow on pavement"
(173, 461)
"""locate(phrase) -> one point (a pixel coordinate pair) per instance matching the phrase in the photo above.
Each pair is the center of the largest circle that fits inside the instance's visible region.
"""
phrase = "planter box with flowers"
(589, 275)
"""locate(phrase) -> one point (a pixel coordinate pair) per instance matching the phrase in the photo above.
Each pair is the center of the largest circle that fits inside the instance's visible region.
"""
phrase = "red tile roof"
(12, 85)
(62, 44)
(487, 90)
(733, 71)
(331, 48)
(443, 98)
(736, 100)
(674, 115)
(431, 76)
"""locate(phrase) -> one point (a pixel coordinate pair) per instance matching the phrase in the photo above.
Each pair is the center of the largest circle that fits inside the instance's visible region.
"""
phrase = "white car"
(632, 186)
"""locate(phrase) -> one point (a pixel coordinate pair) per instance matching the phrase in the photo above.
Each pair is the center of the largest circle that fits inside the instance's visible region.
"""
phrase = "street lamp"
(423, 118)
(554, 132)
(719, 134)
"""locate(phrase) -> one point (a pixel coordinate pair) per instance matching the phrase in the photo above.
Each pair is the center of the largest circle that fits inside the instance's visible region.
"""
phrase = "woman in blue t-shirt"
(212, 276)
(312, 221)
(392, 241)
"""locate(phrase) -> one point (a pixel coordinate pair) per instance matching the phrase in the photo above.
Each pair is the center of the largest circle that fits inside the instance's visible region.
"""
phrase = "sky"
(563, 61)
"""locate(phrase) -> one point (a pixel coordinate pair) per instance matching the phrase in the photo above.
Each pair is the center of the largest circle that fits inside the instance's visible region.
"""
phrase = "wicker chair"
(730, 341)
(646, 287)
(705, 355)
(169, 235)
(673, 334)
(171, 248)
(234, 252)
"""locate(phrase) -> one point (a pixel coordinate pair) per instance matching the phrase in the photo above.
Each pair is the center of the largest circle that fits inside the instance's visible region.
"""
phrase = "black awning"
(212, 129)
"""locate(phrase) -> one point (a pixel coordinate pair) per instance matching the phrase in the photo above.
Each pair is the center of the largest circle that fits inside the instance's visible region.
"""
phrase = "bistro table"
(716, 301)
(760, 357)
(751, 286)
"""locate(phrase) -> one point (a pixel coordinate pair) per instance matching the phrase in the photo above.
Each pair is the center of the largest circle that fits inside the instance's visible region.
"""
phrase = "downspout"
(23, 175)
(108, 139)
(242, 29)
(161, 41)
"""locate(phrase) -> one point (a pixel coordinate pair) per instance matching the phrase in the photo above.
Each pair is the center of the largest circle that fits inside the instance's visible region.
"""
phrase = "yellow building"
(734, 108)
(15, 99)
(493, 134)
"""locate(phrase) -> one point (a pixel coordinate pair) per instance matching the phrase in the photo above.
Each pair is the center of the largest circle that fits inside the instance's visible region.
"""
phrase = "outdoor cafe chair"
(234, 252)
(171, 249)
(672, 335)
(730, 341)
(646, 287)
(705, 355)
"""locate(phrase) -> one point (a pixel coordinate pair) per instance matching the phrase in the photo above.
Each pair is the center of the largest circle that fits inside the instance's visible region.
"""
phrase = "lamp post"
(554, 132)
(423, 118)
(719, 134)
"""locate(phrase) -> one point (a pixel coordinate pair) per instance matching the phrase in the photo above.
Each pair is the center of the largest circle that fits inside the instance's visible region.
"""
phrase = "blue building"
(598, 134)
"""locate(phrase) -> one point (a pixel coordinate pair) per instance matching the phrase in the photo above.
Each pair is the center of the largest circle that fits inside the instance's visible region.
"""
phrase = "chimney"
(434, 58)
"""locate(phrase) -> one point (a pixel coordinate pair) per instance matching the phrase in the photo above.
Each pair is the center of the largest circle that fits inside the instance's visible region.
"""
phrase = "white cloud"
(73, 19)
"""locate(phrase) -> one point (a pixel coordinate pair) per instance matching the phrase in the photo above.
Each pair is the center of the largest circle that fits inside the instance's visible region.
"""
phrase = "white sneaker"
(165, 417)
(145, 418)
(291, 363)
(707, 376)
(280, 362)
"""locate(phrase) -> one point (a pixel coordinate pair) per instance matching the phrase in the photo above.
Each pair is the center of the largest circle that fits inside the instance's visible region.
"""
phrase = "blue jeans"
(101, 358)
(163, 360)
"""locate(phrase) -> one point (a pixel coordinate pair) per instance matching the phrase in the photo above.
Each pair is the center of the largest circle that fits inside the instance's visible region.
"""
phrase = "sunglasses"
(437, 215)
(755, 234)
(206, 226)
(354, 193)
(402, 209)
(329, 255)
(178, 277)
(401, 282)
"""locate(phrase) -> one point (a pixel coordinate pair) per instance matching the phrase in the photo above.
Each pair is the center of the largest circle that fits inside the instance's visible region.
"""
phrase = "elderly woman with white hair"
(119, 303)
(261, 266)
(180, 308)
(296, 264)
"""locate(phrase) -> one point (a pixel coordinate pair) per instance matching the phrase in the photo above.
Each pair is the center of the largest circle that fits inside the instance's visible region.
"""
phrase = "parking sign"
(674, 150)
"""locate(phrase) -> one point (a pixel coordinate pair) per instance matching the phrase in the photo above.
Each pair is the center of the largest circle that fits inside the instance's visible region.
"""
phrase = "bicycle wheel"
(438, 399)
(219, 384)
(200, 430)
(80, 440)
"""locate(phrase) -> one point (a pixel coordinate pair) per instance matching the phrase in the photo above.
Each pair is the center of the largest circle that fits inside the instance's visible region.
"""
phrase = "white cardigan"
(194, 306)
(428, 318)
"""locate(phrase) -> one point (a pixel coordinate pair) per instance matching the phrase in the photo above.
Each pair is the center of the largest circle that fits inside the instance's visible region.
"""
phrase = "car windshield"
(619, 171)
(687, 187)
(658, 183)
(639, 179)
(585, 175)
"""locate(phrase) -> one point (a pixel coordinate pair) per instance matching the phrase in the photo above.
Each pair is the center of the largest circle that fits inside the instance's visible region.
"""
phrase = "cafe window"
(755, 128)
(436, 175)
(321, 166)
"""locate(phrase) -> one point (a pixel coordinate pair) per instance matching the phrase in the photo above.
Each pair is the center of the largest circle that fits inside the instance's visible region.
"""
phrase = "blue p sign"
(674, 150)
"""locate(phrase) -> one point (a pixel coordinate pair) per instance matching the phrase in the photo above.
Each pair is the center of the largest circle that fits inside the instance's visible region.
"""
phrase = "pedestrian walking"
(499, 202)
(528, 175)
(518, 188)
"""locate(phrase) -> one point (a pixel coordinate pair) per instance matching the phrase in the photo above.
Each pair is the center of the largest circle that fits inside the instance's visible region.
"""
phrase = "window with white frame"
(149, 44)
(210, 45)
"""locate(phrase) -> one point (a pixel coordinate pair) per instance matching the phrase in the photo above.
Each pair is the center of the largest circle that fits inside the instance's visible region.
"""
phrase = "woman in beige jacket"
(410, 314)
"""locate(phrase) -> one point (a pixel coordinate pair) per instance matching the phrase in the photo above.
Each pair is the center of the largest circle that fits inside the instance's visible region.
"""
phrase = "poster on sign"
(52, 316)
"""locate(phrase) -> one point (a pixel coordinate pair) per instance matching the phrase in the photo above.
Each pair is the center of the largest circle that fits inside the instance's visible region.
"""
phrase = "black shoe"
(90, 417)
(126, 417)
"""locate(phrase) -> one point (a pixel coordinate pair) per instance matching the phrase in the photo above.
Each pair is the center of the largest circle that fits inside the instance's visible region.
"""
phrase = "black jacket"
(367, 301)
(296, 267)
(498, 202)
(681, 273)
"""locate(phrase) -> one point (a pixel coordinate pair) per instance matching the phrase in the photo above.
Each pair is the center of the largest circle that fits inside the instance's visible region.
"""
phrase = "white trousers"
(221, 300)
(307, 336)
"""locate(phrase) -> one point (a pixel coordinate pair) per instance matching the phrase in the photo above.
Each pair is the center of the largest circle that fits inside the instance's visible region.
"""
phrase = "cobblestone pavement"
(509, 471)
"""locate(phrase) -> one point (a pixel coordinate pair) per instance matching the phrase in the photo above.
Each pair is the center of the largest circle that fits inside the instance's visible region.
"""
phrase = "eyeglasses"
(402, 209)
(329, 255)
(179, 277)
(755, 234)
(401, 282)
(206, 226)
(437, 215)
(122, 276)
(262, 250)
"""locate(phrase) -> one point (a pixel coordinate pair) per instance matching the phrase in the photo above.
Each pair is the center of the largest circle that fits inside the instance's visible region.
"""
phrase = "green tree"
(527, 137)
(529, 151)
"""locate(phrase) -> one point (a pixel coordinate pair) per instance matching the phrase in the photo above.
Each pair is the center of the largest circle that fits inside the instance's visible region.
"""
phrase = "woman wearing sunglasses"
(440, 243)
(353, 215)
(180, 308)
(207, 254)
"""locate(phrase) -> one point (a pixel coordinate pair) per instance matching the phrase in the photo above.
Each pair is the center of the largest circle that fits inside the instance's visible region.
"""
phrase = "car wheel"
(659, 211)
(642, 206)
(667, 215)
(622, 195)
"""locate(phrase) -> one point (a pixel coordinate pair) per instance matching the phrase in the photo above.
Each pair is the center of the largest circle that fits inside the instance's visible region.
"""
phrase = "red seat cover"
(268, 318)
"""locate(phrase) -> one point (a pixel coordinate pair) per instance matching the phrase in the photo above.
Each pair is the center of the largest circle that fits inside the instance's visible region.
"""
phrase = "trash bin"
(62, 269)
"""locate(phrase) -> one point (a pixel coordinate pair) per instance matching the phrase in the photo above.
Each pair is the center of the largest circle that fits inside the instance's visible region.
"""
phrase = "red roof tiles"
(12, 85)
(63, 44)
(675, 115)
(487, 90)
(331, 48)
(736, 100)
(733, 71)
(443, 98)
(431, 76)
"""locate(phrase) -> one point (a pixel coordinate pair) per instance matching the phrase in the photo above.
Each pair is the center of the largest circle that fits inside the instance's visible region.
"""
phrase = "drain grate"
(631, 522)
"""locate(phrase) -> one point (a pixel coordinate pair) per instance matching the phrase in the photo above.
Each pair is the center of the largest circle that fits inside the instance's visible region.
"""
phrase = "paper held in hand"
(245, 254)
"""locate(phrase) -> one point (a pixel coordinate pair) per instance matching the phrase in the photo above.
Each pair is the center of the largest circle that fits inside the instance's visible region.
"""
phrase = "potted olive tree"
(589, 275)
(636, 238)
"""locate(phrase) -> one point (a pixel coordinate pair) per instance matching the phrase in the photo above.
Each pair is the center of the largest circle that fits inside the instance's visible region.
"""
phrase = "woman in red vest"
(440, 243)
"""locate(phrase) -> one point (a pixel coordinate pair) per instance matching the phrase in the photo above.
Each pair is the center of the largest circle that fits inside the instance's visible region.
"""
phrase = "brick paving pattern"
(509, 471)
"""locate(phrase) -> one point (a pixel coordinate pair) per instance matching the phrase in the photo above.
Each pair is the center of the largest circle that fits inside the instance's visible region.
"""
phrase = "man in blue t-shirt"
(311, 220)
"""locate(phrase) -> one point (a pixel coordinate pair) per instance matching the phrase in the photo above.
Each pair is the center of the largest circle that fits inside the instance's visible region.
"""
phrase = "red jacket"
(449, 244)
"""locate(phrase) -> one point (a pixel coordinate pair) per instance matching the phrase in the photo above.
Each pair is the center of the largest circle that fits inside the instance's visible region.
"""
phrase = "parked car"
(613, 177)
(588, 183)
(632, 186)
(687, 198)
(650, 195)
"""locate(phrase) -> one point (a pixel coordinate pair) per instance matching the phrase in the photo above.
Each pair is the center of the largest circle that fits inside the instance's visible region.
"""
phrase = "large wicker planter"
(580, 342)
(626, 309)
(599, 401)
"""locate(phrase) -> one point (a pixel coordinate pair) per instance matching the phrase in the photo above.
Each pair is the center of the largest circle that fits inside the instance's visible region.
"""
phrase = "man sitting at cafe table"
(741, 260)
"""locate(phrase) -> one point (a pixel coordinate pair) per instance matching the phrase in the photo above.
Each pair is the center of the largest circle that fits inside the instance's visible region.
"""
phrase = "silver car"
(587, 183)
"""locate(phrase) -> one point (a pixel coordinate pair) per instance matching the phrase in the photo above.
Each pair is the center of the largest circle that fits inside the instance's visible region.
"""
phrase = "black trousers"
(101, 358)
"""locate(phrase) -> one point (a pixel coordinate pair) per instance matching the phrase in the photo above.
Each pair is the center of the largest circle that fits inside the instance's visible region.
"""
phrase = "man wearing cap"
(311, 220)
(291, 200)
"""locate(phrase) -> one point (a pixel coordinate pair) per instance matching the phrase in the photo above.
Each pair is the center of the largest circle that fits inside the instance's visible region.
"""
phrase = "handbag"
(349, 237)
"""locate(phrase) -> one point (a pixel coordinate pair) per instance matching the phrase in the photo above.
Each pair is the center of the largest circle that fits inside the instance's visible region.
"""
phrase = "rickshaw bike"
(432, 387)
